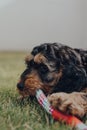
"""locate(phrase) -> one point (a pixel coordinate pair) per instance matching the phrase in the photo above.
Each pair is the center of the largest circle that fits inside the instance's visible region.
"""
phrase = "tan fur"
(39, 58)
(28, 58)
(74, 103)
(32, 83)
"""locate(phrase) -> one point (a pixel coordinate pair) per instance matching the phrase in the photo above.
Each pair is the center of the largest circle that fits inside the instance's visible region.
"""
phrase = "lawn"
(14, 114)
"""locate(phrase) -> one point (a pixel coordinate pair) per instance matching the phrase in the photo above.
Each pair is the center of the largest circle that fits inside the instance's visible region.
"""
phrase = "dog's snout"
(20, 86)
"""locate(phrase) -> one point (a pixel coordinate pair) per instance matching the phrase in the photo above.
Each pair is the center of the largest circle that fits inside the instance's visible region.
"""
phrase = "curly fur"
(56, 68)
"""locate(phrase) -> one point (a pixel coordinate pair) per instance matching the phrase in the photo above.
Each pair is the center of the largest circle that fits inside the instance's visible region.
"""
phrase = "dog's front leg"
(73, 103)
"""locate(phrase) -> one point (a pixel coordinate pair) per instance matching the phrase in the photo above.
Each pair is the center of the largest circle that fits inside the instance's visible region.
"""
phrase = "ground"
(14, 114)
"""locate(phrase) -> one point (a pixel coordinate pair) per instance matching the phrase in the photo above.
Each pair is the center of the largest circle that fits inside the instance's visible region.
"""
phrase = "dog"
(61, 72)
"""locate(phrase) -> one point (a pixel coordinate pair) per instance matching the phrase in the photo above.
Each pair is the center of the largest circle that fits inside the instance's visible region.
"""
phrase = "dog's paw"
(74, 103)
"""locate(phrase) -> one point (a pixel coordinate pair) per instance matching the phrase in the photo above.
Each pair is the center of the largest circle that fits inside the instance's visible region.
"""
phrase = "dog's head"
(43, 70)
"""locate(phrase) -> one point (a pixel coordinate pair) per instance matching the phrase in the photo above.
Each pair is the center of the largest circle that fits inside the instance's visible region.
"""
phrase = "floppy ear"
(28, 58)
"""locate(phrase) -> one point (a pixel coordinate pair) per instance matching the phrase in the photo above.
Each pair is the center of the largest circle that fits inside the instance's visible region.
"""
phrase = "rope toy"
(57, 115)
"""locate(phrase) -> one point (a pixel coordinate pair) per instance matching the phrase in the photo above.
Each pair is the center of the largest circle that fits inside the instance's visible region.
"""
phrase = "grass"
(14, 114)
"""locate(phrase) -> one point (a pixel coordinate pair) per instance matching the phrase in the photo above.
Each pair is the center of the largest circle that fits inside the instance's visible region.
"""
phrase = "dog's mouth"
(29, 87)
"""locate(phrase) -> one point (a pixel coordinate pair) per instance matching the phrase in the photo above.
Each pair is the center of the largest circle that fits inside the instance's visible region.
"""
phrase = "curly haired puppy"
(61, 72)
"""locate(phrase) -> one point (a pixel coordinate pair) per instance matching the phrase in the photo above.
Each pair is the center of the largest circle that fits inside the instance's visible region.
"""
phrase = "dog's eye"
(43, 69)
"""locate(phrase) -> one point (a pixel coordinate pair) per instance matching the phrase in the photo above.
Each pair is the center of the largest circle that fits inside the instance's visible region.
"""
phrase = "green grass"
(14, 114)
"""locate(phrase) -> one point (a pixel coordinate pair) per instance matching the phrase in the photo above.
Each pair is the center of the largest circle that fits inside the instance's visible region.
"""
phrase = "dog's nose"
(20, 86)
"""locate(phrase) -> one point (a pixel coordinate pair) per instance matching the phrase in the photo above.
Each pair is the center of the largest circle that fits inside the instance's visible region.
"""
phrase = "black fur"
(72, 61)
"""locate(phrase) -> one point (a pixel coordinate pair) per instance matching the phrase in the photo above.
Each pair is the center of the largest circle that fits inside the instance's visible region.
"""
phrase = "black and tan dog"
(61, 72)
